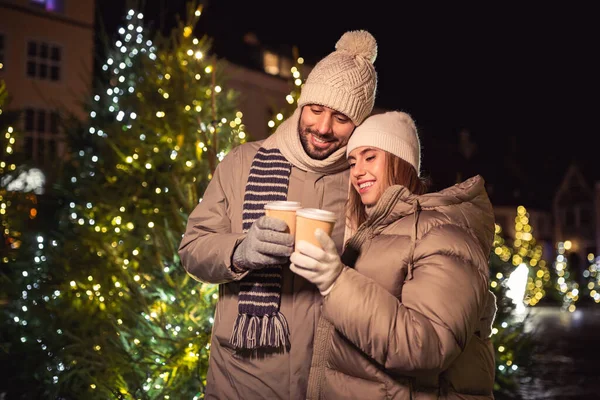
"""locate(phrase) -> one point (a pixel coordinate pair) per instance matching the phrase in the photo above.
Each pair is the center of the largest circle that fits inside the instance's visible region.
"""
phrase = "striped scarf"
(259, 322)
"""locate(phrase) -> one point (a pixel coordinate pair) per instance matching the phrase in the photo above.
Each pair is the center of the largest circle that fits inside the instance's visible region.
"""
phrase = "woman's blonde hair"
(397, 172)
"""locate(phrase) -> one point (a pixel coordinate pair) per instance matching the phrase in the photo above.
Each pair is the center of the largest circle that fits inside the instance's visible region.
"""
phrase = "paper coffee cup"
(308, 220)
(285, 210)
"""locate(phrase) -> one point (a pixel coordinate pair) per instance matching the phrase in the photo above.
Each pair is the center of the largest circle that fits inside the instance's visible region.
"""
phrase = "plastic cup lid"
(315, 213)
(283, 205)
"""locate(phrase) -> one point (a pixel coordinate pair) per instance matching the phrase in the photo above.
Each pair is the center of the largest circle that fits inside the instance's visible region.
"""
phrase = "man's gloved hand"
(319, 266)
(265, 245)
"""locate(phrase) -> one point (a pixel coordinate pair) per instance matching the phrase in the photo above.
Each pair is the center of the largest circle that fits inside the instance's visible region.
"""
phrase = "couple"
(403, 313)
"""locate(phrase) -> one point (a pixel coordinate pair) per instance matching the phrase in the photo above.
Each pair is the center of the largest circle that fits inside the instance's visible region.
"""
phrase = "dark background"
(521, 78)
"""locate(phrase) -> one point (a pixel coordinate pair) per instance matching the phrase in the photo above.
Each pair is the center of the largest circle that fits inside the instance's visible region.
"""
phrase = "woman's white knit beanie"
(392, 131)
(345, 80)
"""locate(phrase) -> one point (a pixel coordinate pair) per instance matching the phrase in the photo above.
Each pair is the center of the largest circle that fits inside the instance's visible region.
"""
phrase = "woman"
(407, 314)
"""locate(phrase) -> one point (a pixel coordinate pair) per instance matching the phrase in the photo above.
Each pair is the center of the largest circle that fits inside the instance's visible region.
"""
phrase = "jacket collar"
(398, 202)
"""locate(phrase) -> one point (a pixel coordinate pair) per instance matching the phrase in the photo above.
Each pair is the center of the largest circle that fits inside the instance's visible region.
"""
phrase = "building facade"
(46, 57)
(597, 209)
(576, 209)
(574, 218)
(260, 95)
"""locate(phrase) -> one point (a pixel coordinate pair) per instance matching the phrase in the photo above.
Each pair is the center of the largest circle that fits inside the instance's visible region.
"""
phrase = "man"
(261, 345)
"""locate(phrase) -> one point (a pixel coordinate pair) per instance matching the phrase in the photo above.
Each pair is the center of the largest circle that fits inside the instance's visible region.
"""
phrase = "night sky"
(522, 80)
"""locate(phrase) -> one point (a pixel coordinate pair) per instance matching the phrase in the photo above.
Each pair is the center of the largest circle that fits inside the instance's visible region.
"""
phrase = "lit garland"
(33, 301)
(156, 134)
(567, 288)
(292, 97)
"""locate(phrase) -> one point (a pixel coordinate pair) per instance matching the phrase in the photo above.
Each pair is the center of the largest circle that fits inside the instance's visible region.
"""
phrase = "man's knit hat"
(345, 80)
(394, 132)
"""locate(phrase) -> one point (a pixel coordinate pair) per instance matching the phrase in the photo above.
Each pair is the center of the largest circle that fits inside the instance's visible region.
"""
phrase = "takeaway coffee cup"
(308, 220)
(285, 210)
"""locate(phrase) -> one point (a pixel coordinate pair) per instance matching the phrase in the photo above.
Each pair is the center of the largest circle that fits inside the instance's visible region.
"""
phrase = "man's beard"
(314, 153)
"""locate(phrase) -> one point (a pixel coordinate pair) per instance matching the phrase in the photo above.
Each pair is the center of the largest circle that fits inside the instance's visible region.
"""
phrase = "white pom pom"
(361, 43)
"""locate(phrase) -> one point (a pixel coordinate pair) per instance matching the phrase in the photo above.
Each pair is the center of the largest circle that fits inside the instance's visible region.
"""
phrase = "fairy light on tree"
(567, 288)
(291, 98)
(592, 276)
(10, 236)
(528, 252)
(134, 323)
(19, 184)
(22, 256)
(512, 344)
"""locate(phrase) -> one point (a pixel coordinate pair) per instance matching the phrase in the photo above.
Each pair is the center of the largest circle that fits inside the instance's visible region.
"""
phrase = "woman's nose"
(358, 170)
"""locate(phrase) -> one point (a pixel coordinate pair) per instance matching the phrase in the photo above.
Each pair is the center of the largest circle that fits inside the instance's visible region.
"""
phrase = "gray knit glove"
(265, 245)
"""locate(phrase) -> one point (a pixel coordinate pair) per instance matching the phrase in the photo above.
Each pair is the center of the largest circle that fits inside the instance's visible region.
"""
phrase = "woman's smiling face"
(368, 173)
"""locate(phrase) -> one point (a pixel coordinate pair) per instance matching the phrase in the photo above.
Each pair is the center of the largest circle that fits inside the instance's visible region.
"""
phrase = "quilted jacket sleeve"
(208, 243)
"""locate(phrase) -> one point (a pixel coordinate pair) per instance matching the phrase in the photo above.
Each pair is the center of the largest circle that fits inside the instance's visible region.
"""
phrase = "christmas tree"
(513, 346)
(527, 252)
(592, 276)
(566, 287)
(120, 316)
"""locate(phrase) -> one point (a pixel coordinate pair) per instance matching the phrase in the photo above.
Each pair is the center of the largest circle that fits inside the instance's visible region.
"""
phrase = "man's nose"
(324, 123)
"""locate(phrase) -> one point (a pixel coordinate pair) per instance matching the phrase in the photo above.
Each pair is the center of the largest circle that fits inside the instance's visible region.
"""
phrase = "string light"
(519, 273)
(592, 275)
(291, 98)
(527, 250)
(566, 286)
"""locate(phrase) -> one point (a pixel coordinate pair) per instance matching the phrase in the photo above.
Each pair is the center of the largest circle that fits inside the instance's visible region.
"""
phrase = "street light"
(517, 285)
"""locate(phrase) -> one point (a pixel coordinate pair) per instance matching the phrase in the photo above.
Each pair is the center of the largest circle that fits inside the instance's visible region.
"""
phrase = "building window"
(41, 130)
(285, 66)
(271, 63)
(2, 51)
(54, 123)
(43, 61)
(49, 5)
(274, 64)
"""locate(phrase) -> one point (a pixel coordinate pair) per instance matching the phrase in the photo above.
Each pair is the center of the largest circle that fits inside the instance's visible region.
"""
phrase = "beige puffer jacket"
(406, 321)
(214, 229)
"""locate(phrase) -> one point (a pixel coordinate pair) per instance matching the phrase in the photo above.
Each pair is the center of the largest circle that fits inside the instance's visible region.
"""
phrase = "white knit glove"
(319, 266)
(486, 322)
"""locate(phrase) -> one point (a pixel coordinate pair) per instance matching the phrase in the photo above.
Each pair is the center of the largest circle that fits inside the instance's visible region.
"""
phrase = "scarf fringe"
(271, 330)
